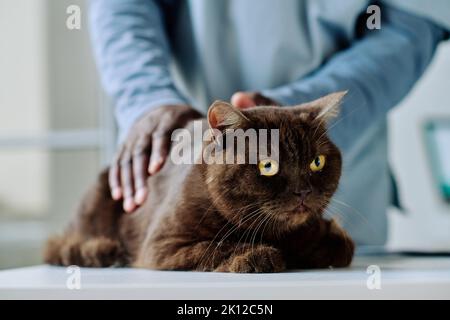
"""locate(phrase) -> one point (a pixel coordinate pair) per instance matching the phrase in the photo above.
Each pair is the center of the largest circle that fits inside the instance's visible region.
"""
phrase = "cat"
(245, 218)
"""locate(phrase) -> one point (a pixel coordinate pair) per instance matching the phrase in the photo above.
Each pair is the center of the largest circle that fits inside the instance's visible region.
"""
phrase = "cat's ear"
(222, 115)
(326, 108)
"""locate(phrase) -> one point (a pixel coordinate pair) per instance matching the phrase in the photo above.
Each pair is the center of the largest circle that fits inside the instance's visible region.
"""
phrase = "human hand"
(144, 152)
(244, 100)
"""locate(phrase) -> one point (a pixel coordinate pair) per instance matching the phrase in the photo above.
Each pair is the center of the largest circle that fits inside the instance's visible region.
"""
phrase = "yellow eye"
(318, 163)
(268, 167)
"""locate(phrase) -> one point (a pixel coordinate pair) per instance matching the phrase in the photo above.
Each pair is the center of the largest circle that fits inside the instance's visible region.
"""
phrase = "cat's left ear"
(326, 108)
(222, 115)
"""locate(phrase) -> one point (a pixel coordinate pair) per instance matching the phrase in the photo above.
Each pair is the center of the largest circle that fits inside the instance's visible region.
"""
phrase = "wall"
(51, 124)
(23, 106)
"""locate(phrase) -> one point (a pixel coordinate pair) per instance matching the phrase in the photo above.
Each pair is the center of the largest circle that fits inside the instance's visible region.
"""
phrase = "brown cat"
(263, 217)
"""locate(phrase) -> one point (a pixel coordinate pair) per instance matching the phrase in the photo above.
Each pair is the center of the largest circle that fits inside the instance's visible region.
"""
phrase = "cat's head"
(289, 190)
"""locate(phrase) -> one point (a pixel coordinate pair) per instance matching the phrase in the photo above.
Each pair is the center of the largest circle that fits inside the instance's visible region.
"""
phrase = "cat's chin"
(295, 218)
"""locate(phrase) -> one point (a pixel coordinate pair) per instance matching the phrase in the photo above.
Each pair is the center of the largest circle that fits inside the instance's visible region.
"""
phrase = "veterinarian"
(163, 63)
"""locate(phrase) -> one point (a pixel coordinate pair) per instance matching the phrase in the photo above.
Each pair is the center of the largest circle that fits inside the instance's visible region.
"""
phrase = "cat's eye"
(268, 167)
(318, 163)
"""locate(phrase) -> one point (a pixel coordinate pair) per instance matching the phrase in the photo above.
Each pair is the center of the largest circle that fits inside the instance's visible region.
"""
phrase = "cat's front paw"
(336, 249)
(261, 259)
(343, 247)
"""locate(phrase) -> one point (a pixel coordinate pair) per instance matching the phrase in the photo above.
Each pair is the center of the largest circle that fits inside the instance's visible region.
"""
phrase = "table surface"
(400, 277)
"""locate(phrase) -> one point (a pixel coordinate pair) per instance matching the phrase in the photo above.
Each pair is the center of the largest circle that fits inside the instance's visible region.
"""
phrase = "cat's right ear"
(324, 109)
(222, 115)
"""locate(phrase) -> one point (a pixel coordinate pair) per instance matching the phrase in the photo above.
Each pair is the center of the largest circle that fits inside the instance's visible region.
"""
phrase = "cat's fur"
(223, 217)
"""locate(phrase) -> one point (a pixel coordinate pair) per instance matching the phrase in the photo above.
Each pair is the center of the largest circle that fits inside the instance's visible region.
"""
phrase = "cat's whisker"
(212, 241)
(271, 217)
(335, 202)
(229, 232)
(242, 221)
(262, 222)
(338, 217)
(344, 217)
(212, 205)
(246, 233)
(270, 222)
(357, 213)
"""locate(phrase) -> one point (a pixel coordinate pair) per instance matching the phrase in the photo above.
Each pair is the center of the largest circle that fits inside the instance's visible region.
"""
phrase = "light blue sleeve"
(378, 70)
(132, 55)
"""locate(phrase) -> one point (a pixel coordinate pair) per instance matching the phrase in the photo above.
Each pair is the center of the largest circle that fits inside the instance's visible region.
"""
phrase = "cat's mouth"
(296, 216)
(301, 209)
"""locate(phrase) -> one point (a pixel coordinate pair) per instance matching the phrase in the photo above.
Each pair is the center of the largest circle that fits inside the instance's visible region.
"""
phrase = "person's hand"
(244, 100)
(144, 152)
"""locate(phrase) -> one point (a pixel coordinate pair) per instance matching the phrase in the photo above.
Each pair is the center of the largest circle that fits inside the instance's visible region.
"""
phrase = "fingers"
(145, 151)
(126, 180)
(242, 100)
(114, 178)
(140, 163)
(128, 175)
(160, 150)
(121, 179)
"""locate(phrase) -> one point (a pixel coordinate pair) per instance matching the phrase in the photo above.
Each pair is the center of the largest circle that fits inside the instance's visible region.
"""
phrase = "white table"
(401, 277)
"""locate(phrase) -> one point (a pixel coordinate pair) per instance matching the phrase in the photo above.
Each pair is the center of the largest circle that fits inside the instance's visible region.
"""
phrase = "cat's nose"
(303, 193)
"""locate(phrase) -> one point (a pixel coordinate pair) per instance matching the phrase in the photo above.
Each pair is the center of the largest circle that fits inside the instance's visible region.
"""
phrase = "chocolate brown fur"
(224, 218)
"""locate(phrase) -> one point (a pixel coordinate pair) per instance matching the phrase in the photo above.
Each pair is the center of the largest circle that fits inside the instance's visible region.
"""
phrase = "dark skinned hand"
(145, 151)
(244, 100)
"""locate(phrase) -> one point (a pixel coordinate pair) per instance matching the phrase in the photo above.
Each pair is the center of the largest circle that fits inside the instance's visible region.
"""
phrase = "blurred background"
(56, 128)
(57, 131)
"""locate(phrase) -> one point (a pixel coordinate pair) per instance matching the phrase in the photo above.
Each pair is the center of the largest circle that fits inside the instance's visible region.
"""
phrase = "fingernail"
(116, 193)
(128, 205)
(154, 166)
(140, 196)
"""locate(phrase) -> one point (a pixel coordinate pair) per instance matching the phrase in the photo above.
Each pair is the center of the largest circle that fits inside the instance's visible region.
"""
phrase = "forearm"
(133, 56)
(378, 71)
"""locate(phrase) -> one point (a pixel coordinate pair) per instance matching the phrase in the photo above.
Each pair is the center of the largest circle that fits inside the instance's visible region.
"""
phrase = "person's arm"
(132, 55)
(133, 58)
(378, 71)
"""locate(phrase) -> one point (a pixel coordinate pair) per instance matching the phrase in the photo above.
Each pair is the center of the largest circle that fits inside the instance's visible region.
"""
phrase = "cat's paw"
(102, 252)
(261, 259)
(341, 245)
(344, 249)
(336, 249)
(75, 250)
(63, 250)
